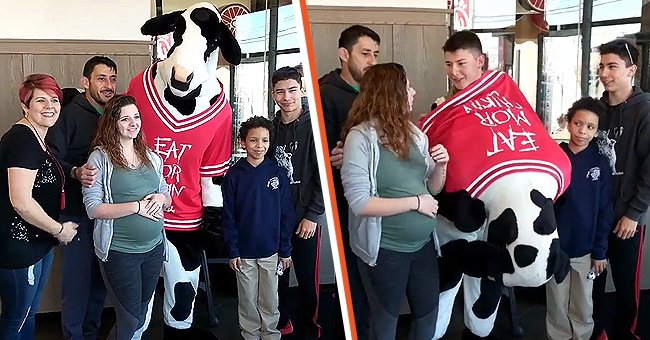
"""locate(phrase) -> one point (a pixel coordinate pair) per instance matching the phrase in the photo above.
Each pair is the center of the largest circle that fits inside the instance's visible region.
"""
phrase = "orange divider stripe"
(328, 169)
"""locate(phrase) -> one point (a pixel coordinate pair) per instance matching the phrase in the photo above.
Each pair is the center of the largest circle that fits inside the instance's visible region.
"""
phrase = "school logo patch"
(594, 174)
(273, 183)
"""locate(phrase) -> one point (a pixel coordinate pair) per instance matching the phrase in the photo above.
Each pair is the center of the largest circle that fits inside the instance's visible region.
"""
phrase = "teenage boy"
(584, 217)
(257, 224)
(628, 129)
(294, 150)
(358, 49)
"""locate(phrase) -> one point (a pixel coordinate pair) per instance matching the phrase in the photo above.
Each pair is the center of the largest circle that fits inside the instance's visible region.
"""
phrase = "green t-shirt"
(134, 233)
(408, 231)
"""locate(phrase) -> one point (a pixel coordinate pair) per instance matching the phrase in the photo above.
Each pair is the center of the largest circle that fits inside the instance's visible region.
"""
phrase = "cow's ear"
(162, 24)
(228, 44)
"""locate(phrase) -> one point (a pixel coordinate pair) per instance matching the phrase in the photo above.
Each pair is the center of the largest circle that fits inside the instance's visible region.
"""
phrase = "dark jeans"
(306, 259)
(20, 293)
(82, 288)
(625, 267)
(396, 274)
(131, 280)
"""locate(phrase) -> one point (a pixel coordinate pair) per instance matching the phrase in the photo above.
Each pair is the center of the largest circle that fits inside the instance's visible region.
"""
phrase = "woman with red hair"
(31, 198)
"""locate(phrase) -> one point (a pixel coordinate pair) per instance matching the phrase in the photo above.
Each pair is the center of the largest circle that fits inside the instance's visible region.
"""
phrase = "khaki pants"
(569, 306)
(257, 287)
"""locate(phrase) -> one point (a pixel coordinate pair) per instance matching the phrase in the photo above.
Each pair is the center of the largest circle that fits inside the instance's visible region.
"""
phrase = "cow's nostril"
(181, 78)
(181, 74)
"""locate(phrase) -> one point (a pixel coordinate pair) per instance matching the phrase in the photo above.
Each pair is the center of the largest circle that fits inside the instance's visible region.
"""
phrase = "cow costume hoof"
(170, 333)
(467, 213)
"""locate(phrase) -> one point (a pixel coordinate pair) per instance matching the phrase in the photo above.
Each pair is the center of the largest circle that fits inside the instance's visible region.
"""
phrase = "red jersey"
(195, 146)
(490, 131)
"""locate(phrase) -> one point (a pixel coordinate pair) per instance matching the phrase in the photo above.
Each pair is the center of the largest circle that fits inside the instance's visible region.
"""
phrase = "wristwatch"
(73, 173)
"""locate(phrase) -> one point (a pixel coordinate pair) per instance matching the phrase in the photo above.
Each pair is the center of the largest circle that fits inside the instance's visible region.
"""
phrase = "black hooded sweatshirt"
(336, 98)
(69, 140)
(628, 126)
(294, 149)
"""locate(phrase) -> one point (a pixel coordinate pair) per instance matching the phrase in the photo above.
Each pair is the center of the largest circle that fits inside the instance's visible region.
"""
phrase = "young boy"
(258, 221)
(584, 216)
(294, 150)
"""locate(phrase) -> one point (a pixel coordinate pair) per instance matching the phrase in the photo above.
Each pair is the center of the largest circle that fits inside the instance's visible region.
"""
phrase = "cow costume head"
(187, 76)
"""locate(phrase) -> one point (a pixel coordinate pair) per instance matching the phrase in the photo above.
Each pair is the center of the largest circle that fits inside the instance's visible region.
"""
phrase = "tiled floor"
(225, 295)
(531, 312)
(530, 304)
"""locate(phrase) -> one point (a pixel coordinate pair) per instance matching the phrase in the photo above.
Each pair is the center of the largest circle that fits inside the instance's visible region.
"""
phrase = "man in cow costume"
(187, 120)
(505, 171)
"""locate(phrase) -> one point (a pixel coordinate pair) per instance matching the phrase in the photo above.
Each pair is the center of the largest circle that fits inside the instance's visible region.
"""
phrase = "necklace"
(56, 163)
(133, 161)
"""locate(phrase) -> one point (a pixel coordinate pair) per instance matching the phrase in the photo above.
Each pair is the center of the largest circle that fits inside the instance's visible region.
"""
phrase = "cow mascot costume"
(504, 173)
(187, 120)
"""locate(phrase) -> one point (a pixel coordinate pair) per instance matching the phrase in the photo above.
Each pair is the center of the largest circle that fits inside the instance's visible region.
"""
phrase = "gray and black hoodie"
(69, 140)
(294, 149)
(336, 97)
(628, 130)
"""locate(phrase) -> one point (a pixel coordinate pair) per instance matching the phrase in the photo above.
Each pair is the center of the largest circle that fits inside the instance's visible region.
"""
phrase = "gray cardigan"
(100, 193)
(359, 177)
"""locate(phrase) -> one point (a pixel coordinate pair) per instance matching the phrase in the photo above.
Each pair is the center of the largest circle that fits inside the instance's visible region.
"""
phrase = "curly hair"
(253, 123)
(587, 104)
(383, 97)
(108, 136)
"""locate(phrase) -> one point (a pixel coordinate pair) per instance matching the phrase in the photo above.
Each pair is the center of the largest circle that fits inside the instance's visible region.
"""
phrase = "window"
(251, 77)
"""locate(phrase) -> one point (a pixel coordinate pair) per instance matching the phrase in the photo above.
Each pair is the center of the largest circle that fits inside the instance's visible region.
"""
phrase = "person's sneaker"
(287, 329)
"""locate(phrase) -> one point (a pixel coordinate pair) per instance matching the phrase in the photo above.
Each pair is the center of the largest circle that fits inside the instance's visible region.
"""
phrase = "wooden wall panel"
(325, 50)
(419, 49)
(64, 60)
(12, 75)
(412, 37)
(66, 69)
(69, 68)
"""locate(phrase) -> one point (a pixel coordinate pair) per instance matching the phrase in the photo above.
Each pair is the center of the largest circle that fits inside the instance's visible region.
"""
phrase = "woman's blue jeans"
(20, 293)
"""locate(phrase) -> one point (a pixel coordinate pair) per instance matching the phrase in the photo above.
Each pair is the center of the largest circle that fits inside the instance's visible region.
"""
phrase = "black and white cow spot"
(185, 105)
(478, 258)
(488, 299)
(467, 213)
(558, 262)
(525, 255)
(183, 297)
(503, 230)
(449, 273)
(213, 100)
(545, 223)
